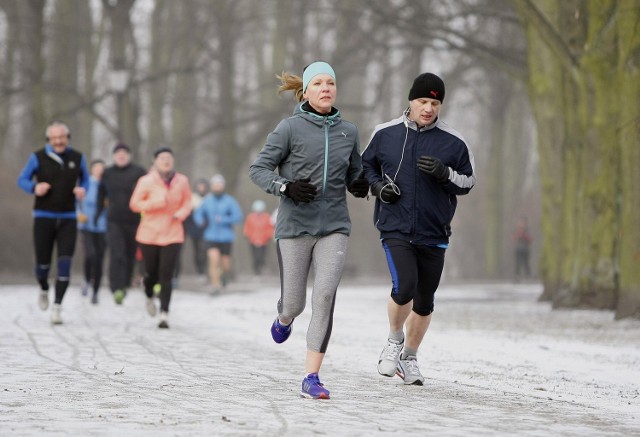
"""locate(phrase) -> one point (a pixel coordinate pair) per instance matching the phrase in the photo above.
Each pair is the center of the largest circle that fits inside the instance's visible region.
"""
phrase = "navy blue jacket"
(425, 209)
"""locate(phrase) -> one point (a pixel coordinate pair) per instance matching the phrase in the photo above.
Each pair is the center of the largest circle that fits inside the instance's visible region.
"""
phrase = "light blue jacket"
(218, 214)
(89, 206)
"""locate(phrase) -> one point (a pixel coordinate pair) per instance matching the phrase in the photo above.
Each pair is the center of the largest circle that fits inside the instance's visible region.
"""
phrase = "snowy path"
(496, 362)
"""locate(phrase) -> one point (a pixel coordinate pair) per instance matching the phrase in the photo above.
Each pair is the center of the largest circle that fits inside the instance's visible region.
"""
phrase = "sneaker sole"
(308, 396)
(416, 382)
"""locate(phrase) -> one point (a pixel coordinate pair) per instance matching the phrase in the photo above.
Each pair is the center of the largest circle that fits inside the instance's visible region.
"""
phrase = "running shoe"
(312, 388)
(43, 300)
(409, 371)
(56, 319)
(388, 362)
(94, 299)
(280, 332)
(151, 307)
(118, 296)
(164, 320)
(85, 288)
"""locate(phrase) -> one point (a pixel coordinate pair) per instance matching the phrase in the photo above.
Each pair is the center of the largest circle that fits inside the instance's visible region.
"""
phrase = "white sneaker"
(409, 371)
(56, 319)
(151, 307)
(388, 362)
(164, 320)
(43, 300)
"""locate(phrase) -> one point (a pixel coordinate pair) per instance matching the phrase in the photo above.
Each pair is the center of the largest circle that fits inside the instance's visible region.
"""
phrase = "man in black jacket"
(417, 166)
(116, 187)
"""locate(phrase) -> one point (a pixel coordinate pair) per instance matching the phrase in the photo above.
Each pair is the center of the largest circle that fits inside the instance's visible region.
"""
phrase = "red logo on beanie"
(434, 94)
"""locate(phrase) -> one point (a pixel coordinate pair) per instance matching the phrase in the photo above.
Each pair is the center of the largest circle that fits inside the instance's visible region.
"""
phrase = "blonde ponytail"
(290, 82)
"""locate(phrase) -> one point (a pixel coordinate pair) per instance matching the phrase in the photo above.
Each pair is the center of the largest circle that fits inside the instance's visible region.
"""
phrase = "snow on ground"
(496, 362)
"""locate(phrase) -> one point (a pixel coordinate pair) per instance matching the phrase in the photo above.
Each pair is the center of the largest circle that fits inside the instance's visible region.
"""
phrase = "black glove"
(384, 191)
(359, 187)
(434, 167)
(300, 191)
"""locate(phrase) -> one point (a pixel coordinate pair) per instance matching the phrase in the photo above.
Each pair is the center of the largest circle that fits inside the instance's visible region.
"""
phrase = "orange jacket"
(163, 207)
(258, 228)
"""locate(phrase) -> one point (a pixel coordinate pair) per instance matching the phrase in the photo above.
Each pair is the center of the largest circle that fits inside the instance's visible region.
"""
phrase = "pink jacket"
(163, 207)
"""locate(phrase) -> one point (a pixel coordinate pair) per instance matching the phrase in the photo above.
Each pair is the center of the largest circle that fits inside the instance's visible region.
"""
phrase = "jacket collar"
(317, 119)
(413, 125)
(48, 149)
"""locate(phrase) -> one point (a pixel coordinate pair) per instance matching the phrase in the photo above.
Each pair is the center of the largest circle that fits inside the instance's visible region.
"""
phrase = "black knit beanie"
(160, 150)
(427, 85)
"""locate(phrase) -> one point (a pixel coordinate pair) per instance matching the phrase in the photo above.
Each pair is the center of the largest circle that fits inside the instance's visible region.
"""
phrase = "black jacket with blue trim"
(426, 207)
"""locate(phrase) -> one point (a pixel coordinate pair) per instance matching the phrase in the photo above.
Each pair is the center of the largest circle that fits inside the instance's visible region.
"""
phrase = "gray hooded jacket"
(323, 148)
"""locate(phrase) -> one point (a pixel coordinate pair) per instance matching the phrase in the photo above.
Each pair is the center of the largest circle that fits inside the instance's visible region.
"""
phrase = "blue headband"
(315, 69)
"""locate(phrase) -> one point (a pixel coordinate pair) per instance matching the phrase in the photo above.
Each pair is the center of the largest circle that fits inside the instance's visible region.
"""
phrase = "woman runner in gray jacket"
(316, 155)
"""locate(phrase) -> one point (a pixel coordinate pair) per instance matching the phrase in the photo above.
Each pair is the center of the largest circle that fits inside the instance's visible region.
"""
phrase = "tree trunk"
(627, 78)
(545, 75)
(9, 55)
(33, 121)
(162, 27)
(186, 86)
(121, 43)
(229, 160)
(578, 41)
(62, 92)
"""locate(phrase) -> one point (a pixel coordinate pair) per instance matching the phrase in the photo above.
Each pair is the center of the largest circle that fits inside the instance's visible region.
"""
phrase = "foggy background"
(199, 76)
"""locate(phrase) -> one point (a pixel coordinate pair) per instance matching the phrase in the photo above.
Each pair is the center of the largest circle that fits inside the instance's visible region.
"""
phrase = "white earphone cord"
(389, 180)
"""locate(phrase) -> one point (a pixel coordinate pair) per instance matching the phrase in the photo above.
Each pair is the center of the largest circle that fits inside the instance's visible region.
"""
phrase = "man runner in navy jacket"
(416, 166)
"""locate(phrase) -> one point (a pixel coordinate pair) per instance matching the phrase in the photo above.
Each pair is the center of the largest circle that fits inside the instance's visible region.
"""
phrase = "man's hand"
(434, 167)
(41, 188)
(385, 192)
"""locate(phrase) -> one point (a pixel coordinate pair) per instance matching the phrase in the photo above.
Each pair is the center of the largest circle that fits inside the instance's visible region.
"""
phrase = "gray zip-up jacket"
(323, 148)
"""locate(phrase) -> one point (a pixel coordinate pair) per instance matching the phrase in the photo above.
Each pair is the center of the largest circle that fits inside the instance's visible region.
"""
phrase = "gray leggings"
(295, 257)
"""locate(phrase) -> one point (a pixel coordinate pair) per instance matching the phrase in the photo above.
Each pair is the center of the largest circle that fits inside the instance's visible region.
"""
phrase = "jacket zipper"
(326, 155)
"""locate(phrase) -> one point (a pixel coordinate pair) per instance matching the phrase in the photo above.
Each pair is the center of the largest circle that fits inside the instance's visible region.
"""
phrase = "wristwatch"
(283, 188)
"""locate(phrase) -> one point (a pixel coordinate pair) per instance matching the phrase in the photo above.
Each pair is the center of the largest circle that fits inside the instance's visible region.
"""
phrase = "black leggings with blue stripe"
(415, 272)
(47, 234)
